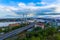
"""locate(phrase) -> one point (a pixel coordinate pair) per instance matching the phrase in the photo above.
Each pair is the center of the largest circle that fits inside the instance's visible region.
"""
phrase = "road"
(15, 32)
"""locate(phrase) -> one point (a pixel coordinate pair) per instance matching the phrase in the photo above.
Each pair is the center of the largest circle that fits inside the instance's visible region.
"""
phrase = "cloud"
(48, 16)
(41, 3)
(31, 4)
(53, 9)
(30, 9)
(35, 9)
(4, 11)
(9, 12)
(57, 9)
(21, 4)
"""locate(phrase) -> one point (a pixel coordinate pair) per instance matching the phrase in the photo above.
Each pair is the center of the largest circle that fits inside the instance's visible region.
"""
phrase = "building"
(16, 24)
(40, 24)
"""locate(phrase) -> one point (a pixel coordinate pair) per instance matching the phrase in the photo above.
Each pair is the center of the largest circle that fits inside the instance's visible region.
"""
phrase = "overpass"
(17, 31)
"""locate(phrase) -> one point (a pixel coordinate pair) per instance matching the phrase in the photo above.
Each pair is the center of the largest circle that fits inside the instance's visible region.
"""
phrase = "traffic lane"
(17, 31)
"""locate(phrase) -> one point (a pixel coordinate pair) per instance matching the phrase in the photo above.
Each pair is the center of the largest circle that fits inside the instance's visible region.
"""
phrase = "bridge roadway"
(17, 31)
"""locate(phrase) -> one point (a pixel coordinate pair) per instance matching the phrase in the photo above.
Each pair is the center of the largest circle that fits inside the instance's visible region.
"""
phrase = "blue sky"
(33, 8)
(15, 2)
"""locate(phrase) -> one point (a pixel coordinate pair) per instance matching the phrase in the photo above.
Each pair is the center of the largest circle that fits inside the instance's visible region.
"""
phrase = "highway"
(17, 31)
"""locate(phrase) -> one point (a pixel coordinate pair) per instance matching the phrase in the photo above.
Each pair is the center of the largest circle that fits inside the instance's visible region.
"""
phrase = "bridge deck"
(14, 32)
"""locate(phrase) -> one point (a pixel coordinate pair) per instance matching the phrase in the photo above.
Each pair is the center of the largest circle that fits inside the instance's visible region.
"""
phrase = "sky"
(31, 8)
